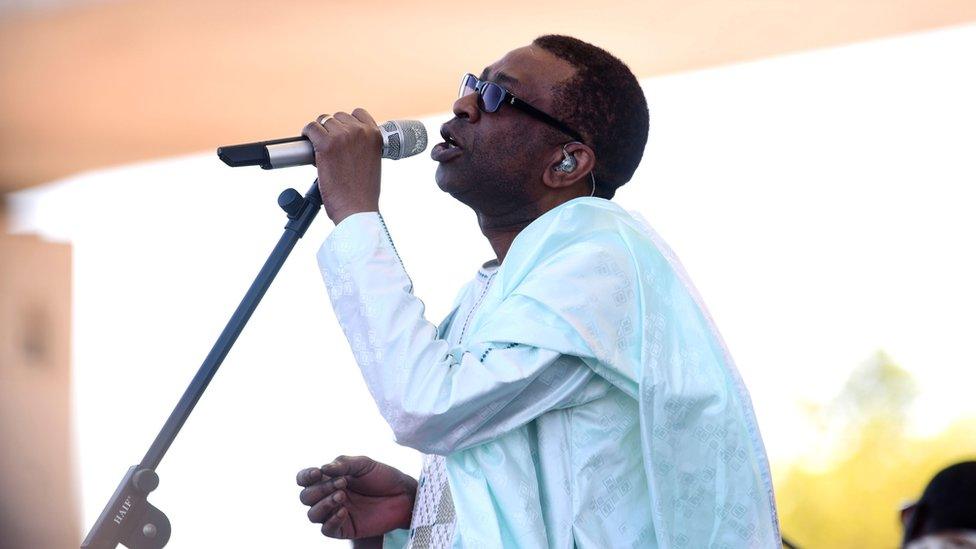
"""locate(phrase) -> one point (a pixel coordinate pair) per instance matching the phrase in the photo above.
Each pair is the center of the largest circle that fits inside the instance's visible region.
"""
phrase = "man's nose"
(466, 107)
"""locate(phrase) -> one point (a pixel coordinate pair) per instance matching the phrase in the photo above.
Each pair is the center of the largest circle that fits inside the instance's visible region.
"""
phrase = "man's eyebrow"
(501, 78)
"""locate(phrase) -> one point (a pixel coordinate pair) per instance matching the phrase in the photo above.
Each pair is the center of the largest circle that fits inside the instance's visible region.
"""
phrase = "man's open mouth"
(448, 150)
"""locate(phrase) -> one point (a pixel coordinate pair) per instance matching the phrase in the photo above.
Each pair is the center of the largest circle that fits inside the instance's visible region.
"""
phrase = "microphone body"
(401, 138)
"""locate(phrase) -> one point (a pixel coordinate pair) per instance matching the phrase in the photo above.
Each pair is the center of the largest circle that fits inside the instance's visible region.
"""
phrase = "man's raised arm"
(436, 398)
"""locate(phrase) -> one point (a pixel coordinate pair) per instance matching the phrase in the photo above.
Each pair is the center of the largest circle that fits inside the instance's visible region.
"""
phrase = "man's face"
(498, 166)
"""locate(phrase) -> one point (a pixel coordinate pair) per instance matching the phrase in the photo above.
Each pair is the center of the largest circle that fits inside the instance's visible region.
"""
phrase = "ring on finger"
(323, 118)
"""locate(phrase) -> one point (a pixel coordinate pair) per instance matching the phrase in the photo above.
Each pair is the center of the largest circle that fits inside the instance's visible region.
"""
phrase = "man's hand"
(356, 497)
(347, 155)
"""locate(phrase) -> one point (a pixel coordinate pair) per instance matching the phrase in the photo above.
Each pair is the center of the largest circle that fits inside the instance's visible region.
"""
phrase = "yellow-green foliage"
(851, 499)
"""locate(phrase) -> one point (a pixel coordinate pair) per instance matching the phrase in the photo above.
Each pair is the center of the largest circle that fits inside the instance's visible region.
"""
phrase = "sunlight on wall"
(821, 202)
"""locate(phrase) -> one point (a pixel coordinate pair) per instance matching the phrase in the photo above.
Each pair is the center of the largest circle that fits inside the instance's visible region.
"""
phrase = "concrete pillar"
(38, 492)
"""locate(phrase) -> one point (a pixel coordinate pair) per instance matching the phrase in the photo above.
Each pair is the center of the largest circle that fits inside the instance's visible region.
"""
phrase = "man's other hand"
(347, 154)
(356, 497)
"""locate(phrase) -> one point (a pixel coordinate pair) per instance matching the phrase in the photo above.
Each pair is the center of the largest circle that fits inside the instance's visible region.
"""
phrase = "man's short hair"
(605, 103)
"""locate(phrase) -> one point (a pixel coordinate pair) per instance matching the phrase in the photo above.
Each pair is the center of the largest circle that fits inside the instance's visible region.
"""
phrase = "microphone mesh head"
(403, 138)
(392, 149)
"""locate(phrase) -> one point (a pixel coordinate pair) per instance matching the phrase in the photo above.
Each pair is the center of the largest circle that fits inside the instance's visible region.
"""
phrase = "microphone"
(401, 138)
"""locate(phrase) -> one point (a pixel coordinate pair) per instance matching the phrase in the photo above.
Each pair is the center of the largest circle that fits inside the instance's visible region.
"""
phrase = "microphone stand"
(128, 518)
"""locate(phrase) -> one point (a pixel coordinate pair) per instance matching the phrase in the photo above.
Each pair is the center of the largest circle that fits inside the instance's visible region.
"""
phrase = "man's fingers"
(308, 477)
(315, 133)
(318, 131)
(353, 466)
(364, 117)
(324, 509)
(313, 494)
(346, 118)
(338, 525)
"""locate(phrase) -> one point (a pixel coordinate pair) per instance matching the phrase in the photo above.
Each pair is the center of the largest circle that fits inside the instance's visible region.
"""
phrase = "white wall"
(822, 202)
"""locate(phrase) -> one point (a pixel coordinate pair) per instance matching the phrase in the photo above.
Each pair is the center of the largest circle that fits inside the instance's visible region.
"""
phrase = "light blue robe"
(589, 282)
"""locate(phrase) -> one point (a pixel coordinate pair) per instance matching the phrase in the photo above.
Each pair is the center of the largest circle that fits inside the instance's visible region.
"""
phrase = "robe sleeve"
(437, 398)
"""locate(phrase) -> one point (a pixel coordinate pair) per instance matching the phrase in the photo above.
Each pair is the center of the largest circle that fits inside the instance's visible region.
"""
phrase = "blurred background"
(812, 162)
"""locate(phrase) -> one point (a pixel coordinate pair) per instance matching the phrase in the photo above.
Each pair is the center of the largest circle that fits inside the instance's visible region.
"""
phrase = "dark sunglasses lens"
(492, 96)
(468, 85)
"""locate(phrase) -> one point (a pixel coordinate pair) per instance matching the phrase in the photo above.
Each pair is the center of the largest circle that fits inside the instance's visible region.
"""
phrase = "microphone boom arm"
(401, 138)
(128, 518)
(257, 154)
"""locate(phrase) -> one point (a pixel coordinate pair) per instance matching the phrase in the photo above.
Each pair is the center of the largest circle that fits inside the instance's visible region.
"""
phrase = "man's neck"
(501, 234)
(501, 229)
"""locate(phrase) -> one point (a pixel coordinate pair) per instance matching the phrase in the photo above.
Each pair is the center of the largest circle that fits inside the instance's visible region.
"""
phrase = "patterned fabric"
(432, 525)
(590, 401)
(433, 522)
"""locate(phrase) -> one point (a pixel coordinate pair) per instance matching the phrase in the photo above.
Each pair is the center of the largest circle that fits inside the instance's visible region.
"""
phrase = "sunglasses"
(491, 97)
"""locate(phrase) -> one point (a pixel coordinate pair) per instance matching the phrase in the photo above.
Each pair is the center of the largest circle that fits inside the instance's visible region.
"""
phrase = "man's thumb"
(345, 465)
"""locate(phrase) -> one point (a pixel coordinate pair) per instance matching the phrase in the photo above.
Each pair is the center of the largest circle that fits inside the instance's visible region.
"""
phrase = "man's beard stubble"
(499, 194)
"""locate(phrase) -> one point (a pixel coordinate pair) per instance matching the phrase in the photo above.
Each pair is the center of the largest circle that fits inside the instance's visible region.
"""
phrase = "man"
(945, 516)
(577, 395)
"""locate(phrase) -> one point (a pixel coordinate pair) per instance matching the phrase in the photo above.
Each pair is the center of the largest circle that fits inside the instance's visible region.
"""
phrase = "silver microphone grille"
(403, 138)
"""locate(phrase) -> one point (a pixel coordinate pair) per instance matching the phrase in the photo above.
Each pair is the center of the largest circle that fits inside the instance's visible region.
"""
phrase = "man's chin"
(447, 180)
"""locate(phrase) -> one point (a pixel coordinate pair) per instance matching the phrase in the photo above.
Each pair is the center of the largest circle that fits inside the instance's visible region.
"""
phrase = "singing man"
(578, 394)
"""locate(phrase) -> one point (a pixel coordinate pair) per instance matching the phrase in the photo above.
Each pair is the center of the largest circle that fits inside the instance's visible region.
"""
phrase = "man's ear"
(557, 177)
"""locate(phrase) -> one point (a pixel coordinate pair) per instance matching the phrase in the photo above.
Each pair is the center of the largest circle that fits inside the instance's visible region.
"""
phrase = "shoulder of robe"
(579, 240)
